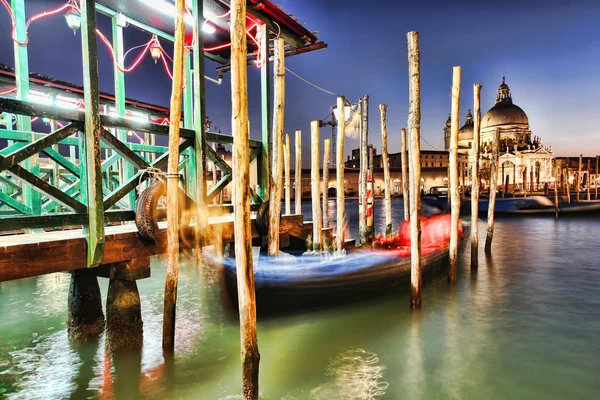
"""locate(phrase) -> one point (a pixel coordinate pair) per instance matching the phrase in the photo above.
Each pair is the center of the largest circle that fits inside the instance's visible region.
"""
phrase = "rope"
(310, 83)
(435, 147)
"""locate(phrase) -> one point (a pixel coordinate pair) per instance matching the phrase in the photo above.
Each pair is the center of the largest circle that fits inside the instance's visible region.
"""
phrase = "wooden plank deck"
(36, 254)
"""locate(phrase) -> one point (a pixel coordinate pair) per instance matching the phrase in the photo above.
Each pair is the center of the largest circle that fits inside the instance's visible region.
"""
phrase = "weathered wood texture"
(241, 180)
(339, 163)
(588, 181)
(405, 180)
(414, 127)
(326, 160)
(578, 181)
(286, 173)
(475, 175)
(387, 182)
(298, 174)
(453, 179)
(370, 196)
(315, 159)
(277, 154)
(556, 178)
(596, 178)
(493, 182)
(172, 255)
(567, 183)
(364, 165)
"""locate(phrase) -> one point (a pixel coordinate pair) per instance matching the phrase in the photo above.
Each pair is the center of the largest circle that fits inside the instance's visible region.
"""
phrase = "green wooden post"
(265, 96)
(188, 123)
(31, 197)
(126, 168)
(90, 160)
(55, 165)
(198, 161)
(7, 189)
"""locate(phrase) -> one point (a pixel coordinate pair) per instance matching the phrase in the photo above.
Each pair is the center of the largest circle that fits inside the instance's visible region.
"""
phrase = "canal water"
(526, 325)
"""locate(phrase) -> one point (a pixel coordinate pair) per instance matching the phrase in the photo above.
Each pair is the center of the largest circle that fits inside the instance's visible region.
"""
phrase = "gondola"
(287, 284)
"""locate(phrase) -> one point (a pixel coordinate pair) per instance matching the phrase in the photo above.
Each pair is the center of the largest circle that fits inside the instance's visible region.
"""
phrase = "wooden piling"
(589, 196)
(414, 127)
(453, 181)
(493, 182)
(370, 196)
(241, 181)
(504, 184)
(514, 180)
(364, 165)
(578, 183)
(298, 174)
(326, 156)
(339, 163)
(405, 180)
(568, 184)
(277, 152)
(172, 253)
(524, 181)
(214, 175)
(475, 175)
(556, 175)
(386, 170)
(315, 158)
(287, 180)
(596, 179)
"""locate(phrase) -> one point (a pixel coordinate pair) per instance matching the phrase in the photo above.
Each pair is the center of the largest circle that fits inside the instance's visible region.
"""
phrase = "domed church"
(522, 157)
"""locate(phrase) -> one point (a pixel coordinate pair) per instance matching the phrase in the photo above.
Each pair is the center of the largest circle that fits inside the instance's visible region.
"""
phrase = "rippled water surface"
(526, 325)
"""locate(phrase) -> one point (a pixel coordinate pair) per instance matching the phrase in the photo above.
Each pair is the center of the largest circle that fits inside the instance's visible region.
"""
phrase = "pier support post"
(596, 179)
(123, 315)
(493, 182)
(475, 175)
(315, 159)
(386, 170)
(86, 319)
(556, 176)
(504, 183)
(286, 174)
(405, 180)
(326, 156)
(172, 253)
(514, 180)
(454, 193)
(524, 181)
(414, 126)
(241, 182)
(339, 162)
(568, 184)
(588, 180)
(277, 154)
(364, 165)
(370, 198)
(298, 174)
(578, 183)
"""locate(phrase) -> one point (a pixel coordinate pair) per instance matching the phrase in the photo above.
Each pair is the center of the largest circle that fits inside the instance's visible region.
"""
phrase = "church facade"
(523, 159)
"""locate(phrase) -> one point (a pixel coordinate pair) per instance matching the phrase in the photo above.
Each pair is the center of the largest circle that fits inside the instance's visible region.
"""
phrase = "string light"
(155, 49)
(13, 90)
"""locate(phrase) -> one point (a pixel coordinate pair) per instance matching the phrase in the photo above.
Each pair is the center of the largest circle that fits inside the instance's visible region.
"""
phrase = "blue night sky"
(549, 51)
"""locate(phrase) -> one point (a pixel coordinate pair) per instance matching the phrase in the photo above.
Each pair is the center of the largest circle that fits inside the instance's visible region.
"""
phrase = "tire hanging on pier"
(148, 210)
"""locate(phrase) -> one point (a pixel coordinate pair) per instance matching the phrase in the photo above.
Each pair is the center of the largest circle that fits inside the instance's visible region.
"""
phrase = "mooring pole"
(589, 196)
(596, 178)
(340, 193)
(578, 186)
(568, 185)
(286, 169)
(524, 181)
(172, 255)
(214, 175)
(327, 149)
(315, 158)
(370, 196)
(493, 182)
(364, 166)
(405, 180)
(475, 173)
(241, 182)
(504, 185)
(386, 170)
(557, 173)
(277, 154)
(414, 127)
(454, 194)
(514, 179)
(298, 174)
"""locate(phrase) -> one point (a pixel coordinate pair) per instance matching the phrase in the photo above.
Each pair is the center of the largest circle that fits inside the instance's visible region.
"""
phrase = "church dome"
(504, 111)
(466, 132)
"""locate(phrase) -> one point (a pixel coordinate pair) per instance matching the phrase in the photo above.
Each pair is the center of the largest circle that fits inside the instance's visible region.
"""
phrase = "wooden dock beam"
(405, 180)
(475, 176)
(493, 182)
(339, 162)
(454, 194)
(241, 181)
(315, 159)
(386, 170)
(414, 127)
(277, 154)
(172, 253)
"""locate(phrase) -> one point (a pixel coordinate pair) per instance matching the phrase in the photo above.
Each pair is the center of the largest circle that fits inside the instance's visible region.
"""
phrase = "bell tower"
(504, 95)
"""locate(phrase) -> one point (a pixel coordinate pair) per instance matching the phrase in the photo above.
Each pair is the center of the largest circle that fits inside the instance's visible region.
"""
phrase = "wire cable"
(310, 83)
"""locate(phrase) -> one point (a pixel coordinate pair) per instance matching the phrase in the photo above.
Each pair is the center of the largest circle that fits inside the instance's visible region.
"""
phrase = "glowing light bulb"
(73, 18)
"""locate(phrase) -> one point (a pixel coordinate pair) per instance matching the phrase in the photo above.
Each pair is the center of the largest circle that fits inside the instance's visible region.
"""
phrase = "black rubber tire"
(146, 214)
(262, 218)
